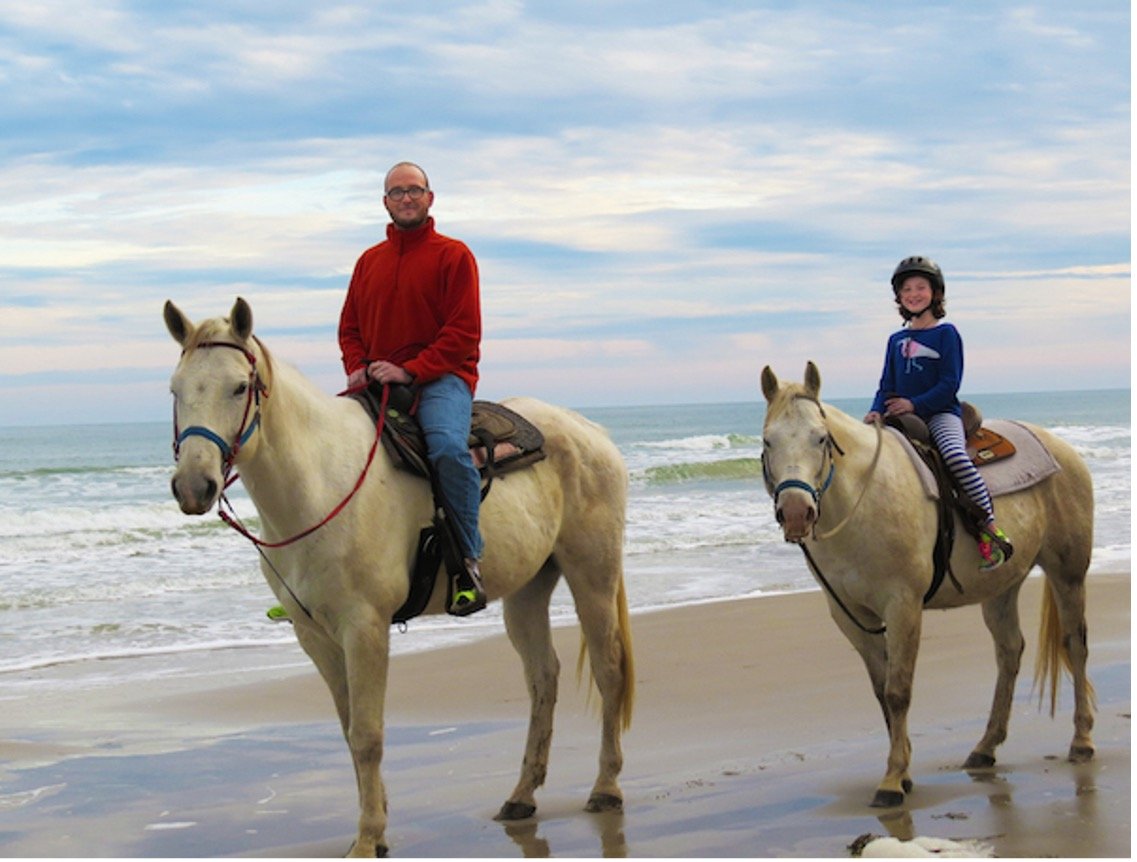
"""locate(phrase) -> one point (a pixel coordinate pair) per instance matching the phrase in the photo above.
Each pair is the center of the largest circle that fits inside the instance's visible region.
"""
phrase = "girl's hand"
(872, 417)
(898, 407)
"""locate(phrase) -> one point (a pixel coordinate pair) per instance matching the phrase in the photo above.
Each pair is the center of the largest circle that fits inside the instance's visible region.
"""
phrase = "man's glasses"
(413, 192)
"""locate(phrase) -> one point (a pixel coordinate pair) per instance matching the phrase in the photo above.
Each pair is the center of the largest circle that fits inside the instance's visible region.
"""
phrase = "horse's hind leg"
(602, 607)
(527, 623)
(1001, 614)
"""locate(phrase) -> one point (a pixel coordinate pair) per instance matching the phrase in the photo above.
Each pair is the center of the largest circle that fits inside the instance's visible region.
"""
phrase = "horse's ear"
(812, 380)
(769, 383)
(241, 319)
(178, 324)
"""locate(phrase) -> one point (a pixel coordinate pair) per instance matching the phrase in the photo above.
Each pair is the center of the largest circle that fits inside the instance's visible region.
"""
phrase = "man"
(412, 315)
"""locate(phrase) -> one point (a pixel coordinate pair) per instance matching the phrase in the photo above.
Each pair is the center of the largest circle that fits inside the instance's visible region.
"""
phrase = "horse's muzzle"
(195, 493)
(797, 514)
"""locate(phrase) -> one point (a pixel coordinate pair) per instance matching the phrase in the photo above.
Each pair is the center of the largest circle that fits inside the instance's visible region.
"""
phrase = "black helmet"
(918, 265)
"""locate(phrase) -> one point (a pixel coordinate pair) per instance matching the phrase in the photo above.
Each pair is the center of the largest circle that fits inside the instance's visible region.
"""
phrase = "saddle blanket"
(1031, 463)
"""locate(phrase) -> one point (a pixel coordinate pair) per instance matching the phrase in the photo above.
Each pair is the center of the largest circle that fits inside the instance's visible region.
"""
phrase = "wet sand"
(755, 734)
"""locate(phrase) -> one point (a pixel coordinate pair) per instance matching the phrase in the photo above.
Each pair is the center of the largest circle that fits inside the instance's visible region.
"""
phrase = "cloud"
(662, 197)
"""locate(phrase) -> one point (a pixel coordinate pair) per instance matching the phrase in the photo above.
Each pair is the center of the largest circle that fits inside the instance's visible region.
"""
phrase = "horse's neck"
(311, 444)
(860, 444)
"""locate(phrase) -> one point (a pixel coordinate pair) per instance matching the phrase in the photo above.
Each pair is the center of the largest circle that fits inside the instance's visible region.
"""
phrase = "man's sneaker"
(994, 549)
(467, 596)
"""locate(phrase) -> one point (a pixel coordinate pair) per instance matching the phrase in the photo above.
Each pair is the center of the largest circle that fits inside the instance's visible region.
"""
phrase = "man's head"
(407, 195)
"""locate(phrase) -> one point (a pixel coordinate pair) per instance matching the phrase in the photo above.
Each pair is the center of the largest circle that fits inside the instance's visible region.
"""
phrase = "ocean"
(98, 562)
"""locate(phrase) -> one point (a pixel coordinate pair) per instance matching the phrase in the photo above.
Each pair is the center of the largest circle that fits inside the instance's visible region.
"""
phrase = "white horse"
(848, 493)
(300, 452)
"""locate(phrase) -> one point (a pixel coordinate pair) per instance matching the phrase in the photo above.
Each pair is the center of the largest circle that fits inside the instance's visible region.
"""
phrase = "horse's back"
(587, 461)
(566, 430)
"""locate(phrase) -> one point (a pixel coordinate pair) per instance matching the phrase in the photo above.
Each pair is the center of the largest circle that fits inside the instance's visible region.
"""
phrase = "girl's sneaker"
(994, 549)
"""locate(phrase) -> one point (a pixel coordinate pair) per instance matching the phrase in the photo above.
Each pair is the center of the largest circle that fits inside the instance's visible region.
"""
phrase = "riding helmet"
(918, 265)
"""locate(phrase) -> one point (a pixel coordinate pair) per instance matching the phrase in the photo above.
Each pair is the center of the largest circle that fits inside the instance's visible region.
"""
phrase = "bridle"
(816, 492)
(248, 427)
(255, 389)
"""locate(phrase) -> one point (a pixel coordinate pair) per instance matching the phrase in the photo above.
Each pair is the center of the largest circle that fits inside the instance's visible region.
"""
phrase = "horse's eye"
(241, 389)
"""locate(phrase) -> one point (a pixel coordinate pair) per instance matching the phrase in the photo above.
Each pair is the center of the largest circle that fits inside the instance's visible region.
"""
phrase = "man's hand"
(357, 378)
(388, 372)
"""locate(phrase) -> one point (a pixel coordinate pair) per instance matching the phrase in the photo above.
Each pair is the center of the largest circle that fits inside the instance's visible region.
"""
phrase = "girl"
(923, 368)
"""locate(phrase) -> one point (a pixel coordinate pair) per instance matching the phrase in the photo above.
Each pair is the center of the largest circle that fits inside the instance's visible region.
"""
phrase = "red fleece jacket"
(414, 300)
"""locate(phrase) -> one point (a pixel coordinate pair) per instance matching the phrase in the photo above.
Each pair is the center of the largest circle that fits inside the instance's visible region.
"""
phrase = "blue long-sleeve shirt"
(926, 367)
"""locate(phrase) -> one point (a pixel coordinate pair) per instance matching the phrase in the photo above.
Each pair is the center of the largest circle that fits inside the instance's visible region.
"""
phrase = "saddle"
(984, 446)
(501, 441)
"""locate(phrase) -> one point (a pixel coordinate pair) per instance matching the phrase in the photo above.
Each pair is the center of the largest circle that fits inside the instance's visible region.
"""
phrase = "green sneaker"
(278, 614)
(466, 593)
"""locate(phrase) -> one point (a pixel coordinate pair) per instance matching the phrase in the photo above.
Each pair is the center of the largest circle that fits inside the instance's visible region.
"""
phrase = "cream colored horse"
(849, 494)
(300, 452)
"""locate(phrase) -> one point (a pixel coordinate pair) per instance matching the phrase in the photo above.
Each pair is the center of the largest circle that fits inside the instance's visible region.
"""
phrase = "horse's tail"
(627, 661)
(1053, 654)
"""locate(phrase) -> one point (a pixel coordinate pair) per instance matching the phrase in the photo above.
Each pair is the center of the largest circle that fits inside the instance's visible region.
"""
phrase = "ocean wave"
(704, 442)
(726, 470)
(98, 471)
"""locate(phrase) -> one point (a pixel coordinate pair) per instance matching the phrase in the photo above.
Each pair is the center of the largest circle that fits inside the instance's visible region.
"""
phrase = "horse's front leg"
(874, 652)
(902, 643)
(1001, 615)
(366, 662)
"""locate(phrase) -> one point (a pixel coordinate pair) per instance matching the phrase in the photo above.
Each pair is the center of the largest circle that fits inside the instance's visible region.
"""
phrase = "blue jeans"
(444, 412)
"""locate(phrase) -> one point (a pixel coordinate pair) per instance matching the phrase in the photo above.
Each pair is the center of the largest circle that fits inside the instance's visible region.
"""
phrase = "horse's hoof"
(979, 760)
(516, 811)
(604, 802)
(906, 785)
(888, 799)
(380, 852)
(1081, 753)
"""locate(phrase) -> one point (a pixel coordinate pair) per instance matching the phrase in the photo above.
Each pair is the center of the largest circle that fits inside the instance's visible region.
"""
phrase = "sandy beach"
(755, 734)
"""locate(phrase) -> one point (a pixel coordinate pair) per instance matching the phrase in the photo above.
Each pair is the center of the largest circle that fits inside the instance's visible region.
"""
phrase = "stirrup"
(994, 549)
(466, 594)
(278, 614)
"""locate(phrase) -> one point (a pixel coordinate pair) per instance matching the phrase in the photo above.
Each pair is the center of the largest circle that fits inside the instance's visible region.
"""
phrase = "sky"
(663, 197)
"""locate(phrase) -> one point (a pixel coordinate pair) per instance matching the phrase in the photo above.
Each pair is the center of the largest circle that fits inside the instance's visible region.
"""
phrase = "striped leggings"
(947, 433)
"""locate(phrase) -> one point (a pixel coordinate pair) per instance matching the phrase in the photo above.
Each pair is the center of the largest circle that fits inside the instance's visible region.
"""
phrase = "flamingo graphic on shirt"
(912, 350)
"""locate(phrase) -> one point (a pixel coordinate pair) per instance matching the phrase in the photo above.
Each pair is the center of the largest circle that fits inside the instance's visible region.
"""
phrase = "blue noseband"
(813, 492)
(227, 452)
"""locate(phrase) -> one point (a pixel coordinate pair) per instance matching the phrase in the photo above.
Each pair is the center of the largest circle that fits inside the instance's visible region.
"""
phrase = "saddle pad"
(1032, 462)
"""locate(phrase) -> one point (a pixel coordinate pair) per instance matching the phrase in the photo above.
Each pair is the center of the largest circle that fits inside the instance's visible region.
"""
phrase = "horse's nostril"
(780, 516)
(210, 489)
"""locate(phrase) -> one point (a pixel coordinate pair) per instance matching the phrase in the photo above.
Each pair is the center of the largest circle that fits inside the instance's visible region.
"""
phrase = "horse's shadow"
(608, 826)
